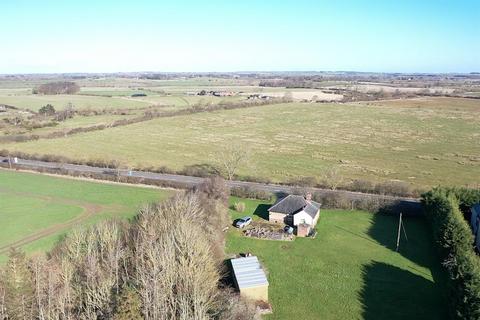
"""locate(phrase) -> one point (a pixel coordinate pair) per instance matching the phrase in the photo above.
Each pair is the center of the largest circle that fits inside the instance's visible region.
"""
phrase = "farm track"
(89, 210)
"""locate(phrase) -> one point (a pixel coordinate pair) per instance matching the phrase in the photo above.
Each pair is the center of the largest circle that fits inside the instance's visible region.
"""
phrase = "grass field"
(102, 100)
(36, 210)
(350, 270)
(425, 145)
(35, 102)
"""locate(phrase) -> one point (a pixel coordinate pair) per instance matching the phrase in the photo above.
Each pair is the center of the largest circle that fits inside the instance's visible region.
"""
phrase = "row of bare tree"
(58, 87)
(165, 264)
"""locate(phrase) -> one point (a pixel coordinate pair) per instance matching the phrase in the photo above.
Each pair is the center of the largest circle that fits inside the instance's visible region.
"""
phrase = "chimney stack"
(308, 196)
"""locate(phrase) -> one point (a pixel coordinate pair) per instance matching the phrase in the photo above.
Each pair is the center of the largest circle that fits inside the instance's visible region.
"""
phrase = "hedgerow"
(455, 241)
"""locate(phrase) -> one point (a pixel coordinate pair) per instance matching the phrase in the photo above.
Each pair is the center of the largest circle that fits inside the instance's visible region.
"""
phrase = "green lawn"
(425, 146)
(350, 270)
(31, 203)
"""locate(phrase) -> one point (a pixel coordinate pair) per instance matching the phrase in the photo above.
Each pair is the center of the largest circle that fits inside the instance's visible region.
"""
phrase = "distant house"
(250, 279)
(295, 210)
(475, 223)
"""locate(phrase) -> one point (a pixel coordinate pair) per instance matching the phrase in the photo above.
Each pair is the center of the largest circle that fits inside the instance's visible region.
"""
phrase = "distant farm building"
(216, 93)
(294, 210)
(250, 278)
(256, 96)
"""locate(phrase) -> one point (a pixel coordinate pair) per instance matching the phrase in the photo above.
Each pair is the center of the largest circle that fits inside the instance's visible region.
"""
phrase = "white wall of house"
(302, 217)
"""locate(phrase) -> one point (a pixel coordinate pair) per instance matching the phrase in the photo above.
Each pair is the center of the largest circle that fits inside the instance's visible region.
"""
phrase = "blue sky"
(246, 35)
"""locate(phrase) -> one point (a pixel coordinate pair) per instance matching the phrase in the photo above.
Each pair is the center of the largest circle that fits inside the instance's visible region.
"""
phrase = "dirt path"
(89, 210)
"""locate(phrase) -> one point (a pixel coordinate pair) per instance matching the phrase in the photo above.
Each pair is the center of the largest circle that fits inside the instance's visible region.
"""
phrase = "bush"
(395, 188)
(361, 185)
(455, 241)
(333, 200)
(47, 110)
(304, 181)
(251, 193)
(215, 187)
(239, 206)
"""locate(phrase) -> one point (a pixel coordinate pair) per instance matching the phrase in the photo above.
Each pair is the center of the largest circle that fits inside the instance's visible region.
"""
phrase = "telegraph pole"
(398, 232)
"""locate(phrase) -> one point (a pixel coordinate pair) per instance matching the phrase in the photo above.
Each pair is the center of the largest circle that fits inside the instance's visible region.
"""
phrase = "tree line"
(164, 264)
(58, 87)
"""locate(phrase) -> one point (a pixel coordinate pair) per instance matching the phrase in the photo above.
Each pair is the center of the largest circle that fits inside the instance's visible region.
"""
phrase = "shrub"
(251, 193)
(455, 241)
(361, 185)
(200, 170)
(47, 110)
(239, 206)
(333, 200)
(216, 188)
(395, 188)
(304, 181)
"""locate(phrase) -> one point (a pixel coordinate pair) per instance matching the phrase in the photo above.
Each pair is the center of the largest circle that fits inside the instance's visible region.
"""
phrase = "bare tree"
(332, 178)
(161, 266)
(231, 158)
(174, 270)
(18, 289)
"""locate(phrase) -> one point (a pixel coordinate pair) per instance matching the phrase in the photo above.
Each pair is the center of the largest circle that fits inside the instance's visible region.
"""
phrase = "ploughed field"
(350, 270)
(36, 210)
(425, 142)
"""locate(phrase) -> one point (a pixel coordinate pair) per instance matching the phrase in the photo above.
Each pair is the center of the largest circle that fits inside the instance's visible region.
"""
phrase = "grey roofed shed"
(250, 278)
(248, 272)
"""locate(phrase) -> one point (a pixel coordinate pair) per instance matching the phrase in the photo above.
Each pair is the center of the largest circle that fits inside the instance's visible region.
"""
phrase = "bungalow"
(295, 210)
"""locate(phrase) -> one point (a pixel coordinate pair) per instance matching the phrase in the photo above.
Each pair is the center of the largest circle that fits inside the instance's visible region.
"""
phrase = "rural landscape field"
(213, 160)
(39, 210)
(405, 144)
(423, 141)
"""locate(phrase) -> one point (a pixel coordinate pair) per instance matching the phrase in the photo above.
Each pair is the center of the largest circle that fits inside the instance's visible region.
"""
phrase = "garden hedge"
(454, 237)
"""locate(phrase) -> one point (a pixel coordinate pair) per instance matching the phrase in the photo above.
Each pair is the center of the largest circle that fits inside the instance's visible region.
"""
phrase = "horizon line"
(242, 71)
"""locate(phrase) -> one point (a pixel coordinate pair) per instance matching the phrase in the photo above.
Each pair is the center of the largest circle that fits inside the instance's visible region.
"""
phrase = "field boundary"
(88, 179)
(404, 204)
(148, 115)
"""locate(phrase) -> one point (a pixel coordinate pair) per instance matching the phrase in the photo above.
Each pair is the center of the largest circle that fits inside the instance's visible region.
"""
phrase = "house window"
(302, 220)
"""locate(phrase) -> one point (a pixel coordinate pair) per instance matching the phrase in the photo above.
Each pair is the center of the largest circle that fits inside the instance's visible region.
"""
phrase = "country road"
(413, 203)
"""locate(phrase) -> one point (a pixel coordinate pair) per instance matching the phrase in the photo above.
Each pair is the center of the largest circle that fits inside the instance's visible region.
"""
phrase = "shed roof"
(248, 272)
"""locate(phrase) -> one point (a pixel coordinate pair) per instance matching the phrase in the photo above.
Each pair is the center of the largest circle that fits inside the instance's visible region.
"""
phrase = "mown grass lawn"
(30, 203)
(350, 270)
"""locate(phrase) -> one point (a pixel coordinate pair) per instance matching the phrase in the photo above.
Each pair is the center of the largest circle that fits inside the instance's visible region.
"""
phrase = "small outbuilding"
(250, 279)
